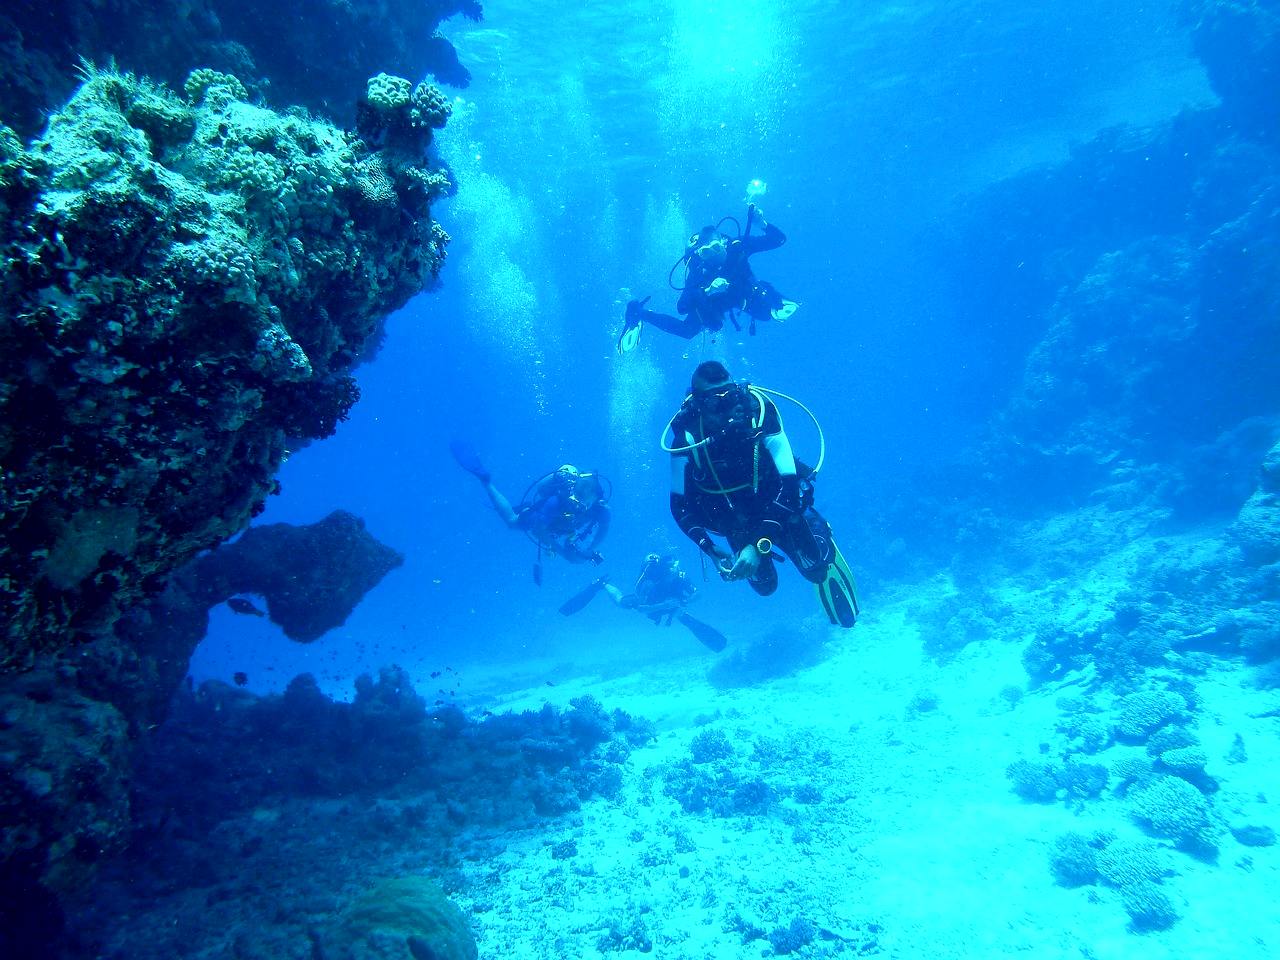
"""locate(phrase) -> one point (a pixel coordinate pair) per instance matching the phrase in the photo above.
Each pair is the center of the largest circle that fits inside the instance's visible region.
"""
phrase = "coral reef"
(512, 766)
(1141, 714)
(276, 49)
(1135, 868)
(740, 775)
(1239, 43)
(1172, 808)
(1074, 859)
(185, 279)
(189, 283)
(399, 913)
(67, 727)
(1148, 906)
(295, 798)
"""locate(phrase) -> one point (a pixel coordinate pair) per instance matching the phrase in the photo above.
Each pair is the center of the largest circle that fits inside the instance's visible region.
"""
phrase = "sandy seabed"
(917, 847)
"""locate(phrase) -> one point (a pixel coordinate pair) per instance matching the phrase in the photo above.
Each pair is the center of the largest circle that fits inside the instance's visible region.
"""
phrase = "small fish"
(241, 605)
(551, 683)
(434, 674)
(240, 677)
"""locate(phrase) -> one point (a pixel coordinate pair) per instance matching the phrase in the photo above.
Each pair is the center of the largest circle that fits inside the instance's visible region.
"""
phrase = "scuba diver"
(565, 512)
(718, 283)
(734, 475)
(661, 592)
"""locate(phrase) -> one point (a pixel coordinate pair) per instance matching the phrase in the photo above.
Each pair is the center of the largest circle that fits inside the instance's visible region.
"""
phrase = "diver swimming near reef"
(661, 592)
(734, 475)
(564, 512)
(718, 284)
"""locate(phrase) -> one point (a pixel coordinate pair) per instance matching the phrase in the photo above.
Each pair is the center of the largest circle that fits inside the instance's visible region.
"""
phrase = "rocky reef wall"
(194, 262)
(1126, 299)
(315, 55)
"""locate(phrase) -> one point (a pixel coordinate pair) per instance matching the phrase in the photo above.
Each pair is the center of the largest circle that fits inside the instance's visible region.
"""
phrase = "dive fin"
(468, 459)
(631, 325)
(785, 311)
(839, 591)
(710, 636)
(580, 599)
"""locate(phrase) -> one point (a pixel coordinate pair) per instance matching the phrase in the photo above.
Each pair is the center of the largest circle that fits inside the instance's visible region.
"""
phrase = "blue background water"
(590, 144)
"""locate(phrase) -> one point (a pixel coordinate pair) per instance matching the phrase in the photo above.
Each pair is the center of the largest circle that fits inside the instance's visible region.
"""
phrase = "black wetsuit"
(744, 294)
(562, 525)
(733, 488)
(661, 582)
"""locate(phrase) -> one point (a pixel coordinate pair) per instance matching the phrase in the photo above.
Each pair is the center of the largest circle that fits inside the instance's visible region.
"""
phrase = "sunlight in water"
(730, 68)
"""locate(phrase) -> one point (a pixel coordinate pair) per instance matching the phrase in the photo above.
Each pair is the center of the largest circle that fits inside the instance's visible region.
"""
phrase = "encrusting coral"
(188, 281)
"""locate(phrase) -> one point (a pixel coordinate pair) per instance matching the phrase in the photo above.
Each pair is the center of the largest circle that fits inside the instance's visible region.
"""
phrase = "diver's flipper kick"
(839, 591)
(583, 597)
(632, 323)
(708, 635)
(468, 459)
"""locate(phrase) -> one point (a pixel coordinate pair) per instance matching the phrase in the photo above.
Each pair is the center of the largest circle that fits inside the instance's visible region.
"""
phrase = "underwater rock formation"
(67, 727)
(1239, 43)
(399, 913)
(314, 54)
(189, 284)
(505, 768)
(1129, 306)
(266, 827)
(311, 576)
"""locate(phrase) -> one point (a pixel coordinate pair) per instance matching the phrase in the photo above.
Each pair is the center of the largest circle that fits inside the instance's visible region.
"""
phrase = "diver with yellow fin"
(718, 285)
(734, 475)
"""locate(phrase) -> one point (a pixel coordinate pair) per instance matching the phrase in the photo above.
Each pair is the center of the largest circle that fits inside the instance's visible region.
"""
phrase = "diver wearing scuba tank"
(734, 475)
(718, 284)
(564, 512)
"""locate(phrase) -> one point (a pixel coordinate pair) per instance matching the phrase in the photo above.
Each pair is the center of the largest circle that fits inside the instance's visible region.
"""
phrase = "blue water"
(589, 145)
(1038, 269)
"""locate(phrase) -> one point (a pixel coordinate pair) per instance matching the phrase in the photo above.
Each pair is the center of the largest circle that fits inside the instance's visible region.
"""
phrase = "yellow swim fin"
(839, 591)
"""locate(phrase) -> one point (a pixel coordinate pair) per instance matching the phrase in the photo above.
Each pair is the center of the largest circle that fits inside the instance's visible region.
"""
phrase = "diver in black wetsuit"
(662, 591)
(565, 512)
(734, 475)
(719, 284)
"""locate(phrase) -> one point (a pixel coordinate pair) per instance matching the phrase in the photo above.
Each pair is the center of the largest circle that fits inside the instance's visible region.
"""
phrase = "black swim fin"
(711, 638)
(580, 599)
(468, 459)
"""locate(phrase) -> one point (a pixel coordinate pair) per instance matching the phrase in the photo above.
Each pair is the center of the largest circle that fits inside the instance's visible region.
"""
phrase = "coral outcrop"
(314, 54)
(311, 576)
(189, 283)
(288, 814)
